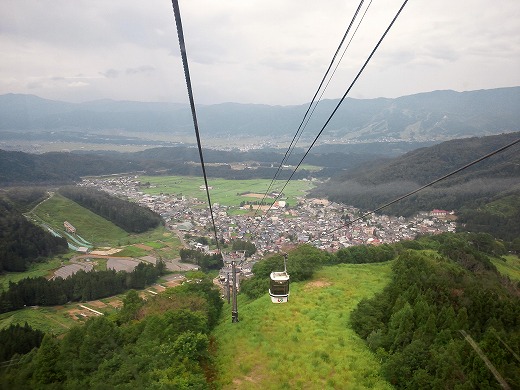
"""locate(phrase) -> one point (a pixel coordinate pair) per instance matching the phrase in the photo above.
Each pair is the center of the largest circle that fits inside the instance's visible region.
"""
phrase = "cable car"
(279, 284)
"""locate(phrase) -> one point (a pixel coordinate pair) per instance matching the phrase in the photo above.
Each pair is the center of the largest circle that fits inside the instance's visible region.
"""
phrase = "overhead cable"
(306, 116)
(343, 97)
(184, 56)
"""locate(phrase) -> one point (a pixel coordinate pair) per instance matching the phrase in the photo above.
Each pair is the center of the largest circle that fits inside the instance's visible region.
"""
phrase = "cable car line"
(184, 56)
(427, 185)
(342, 99)
(307, 116)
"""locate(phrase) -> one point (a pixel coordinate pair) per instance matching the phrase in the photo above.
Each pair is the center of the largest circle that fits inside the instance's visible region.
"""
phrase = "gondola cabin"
(279, 284)
(279, 287)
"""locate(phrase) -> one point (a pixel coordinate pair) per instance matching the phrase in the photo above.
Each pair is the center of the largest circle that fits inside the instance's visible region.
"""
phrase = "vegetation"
(414, 324)
(204, 261)
(499, 217)
(306, 343)
(161, 343)
(241, 245)
(225, 191)
(371, 186)
(82, 286)
(18, 340)
(22, 242)
(127, 215)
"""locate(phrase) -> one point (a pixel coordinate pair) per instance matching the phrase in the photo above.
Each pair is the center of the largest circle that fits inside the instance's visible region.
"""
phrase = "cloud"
(140, 69)
(261, 51)
(77, 84)
(110, 73)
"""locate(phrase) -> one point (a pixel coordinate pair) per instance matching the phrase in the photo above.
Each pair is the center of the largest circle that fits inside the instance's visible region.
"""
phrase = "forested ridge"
(444, 286)
(499, 217)
(371, 185)
(127, 215)
(21, 241)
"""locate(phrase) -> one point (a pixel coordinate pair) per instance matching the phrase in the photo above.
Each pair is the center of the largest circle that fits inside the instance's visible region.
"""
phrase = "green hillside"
(307, 343)
(93, 228)
(372, 185)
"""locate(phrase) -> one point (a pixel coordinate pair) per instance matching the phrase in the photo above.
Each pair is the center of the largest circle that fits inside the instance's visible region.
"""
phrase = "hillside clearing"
(307, 343)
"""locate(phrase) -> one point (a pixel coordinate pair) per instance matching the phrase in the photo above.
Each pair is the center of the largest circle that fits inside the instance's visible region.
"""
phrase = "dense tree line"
(204, 261)
(22, 242)
(82, 286)
(163, 343)
(18, 168)
(127, 215)
(23, 198)
(18, 340)
(414, 324)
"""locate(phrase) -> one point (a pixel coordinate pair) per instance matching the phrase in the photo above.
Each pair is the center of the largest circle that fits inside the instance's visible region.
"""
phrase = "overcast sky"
(253, 51)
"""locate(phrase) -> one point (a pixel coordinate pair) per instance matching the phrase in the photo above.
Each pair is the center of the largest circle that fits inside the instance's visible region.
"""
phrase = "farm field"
(225, 192)
(306, 343)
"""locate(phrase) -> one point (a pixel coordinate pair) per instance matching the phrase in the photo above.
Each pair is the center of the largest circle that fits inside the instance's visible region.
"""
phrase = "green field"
(224, 191)
(510, 266)
(47, 319)
(306, 343)
(36, 270)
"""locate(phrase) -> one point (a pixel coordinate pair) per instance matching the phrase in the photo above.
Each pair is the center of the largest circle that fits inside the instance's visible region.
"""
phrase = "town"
(318, 222)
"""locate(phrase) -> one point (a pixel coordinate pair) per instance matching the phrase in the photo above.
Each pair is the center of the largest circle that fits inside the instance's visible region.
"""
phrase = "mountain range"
(437, 116)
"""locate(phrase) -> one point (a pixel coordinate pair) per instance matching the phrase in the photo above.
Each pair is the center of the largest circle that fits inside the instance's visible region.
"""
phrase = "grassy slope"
(509, 267)
(99, 231)
(89, 225)
(307, 343)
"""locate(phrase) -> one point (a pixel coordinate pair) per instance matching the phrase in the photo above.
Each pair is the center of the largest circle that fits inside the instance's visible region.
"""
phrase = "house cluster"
(318, 222)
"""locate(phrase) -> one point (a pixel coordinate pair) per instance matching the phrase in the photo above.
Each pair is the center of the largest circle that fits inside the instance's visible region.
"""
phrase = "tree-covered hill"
(161, 343)
(372, 185)
(22, 242)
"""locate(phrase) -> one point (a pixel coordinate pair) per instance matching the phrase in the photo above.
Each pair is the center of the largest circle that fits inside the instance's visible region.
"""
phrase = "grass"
(47, 319)
(307, 343)
(99, 231)
(224, 191)
(89, 225)
(510, 267)
(36, 270)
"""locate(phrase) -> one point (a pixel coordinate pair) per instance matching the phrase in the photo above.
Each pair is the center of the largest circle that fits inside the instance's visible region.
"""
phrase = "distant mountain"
(438, 115)
(372, 185)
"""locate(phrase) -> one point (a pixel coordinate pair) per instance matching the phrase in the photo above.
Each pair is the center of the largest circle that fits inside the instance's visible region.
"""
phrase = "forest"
(161, 343)
(127, 215)
(80, 287)
(370, 186)
(22, 242)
